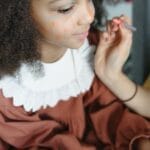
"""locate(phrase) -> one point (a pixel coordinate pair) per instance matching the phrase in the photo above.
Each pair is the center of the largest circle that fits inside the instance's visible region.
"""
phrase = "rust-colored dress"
(93, 120)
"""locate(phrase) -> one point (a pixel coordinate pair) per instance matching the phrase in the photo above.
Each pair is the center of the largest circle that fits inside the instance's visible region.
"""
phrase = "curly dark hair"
(18, 35)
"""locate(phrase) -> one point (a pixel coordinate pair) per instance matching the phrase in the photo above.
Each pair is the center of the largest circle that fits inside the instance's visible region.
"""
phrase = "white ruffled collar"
(70, 76)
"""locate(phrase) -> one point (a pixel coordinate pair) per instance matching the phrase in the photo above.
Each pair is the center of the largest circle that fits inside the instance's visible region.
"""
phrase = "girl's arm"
(112, 52)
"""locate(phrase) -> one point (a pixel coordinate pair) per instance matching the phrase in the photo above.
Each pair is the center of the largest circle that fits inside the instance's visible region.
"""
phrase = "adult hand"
(113, 48)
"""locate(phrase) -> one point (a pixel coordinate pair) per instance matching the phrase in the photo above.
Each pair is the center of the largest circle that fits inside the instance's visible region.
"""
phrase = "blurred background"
(138, 64)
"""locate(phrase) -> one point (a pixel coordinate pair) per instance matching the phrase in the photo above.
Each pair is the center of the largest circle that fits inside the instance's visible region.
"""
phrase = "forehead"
(42, 4)
(53, 1)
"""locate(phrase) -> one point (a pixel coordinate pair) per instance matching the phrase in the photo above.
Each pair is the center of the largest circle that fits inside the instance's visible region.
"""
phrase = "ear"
(94, 36)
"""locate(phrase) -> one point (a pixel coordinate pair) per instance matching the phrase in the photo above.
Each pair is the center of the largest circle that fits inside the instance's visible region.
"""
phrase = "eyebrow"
(53, 1)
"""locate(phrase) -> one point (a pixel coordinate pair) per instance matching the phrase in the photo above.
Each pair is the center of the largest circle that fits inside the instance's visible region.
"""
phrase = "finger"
(103, 44)
(107, 38)
(125, 32)
(125, 40)
(125, 19)
(109, 26)
(116, 22)
(104, 38)
(106, 41)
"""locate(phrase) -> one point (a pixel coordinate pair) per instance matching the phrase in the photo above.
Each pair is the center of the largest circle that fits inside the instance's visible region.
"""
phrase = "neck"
(51, 53)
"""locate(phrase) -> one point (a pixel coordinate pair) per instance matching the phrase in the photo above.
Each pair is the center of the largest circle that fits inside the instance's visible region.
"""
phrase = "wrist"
(121, 86)
(111, 77)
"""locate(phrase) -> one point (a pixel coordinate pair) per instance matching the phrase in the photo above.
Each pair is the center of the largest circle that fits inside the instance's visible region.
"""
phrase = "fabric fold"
(91, 121)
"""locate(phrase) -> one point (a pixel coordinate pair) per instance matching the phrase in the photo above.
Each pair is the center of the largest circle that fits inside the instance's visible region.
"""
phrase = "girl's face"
(63, 23)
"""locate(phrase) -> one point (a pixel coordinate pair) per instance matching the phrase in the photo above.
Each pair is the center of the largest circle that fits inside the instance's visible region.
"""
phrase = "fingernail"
(116, 21)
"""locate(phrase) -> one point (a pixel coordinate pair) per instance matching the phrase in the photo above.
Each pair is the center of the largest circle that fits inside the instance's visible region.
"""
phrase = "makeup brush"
(130, 27)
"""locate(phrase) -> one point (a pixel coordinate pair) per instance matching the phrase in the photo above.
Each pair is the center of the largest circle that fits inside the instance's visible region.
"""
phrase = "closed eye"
(64, 11)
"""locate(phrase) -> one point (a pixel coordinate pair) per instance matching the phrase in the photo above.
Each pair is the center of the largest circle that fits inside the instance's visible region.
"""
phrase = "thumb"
(126, 38)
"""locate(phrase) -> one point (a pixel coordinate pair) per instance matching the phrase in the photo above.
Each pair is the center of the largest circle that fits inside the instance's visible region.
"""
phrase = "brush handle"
(130, 27)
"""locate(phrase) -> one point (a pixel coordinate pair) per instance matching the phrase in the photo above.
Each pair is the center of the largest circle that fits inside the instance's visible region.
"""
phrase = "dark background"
(140, 56)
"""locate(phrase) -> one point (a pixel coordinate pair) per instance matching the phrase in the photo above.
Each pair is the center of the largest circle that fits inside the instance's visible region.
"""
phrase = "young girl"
(50, 97)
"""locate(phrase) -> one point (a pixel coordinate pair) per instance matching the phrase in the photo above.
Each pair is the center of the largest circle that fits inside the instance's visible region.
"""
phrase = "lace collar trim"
(33, 92)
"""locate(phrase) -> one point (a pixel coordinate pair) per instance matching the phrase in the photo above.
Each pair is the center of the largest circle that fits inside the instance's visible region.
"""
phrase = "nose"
(86, 14)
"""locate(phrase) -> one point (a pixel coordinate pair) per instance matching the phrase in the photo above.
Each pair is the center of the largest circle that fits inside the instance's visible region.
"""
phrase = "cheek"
(59, 36)
(91, 11)
(58, 30)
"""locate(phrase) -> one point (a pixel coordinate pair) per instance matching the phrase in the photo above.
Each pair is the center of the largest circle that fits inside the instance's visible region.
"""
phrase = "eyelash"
(65, 11)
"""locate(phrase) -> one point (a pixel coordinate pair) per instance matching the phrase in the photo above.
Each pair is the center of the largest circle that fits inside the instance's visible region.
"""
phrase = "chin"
(77, 45)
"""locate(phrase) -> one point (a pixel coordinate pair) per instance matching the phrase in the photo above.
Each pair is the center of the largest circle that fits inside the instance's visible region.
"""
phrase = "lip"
(82, 35)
